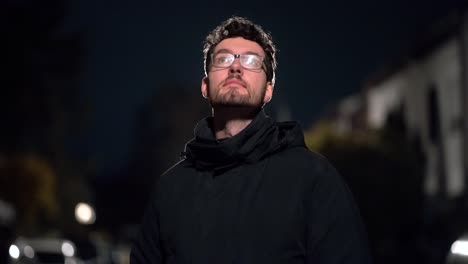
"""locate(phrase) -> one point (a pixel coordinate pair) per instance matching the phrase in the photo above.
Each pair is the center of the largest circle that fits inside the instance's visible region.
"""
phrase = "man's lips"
(233, 81)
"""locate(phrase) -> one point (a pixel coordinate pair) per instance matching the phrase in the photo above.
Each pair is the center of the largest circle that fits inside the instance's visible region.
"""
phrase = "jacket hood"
(262, 137)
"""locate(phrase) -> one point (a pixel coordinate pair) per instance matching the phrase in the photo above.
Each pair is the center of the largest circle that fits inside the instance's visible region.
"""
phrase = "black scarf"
(260, 138)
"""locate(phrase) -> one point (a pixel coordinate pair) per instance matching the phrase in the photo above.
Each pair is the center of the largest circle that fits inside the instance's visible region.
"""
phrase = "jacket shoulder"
(309, 167)
(302, 157)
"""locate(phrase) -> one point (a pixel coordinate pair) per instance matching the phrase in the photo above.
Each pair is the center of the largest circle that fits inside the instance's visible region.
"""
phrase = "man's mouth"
(234, 82)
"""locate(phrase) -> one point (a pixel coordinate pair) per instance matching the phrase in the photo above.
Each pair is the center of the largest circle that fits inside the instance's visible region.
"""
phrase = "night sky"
(326, 52)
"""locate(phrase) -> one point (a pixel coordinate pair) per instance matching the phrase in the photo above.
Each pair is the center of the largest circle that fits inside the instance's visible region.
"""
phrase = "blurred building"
(430, 87)
(402, 144)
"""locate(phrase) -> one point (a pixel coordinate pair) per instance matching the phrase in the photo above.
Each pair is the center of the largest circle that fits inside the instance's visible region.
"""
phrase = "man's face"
(235, 85)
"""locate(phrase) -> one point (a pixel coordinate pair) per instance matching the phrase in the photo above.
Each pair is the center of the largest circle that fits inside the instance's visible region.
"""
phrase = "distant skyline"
(327, 51)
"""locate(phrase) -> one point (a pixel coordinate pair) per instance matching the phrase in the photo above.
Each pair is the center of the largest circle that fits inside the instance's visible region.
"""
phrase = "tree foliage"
(30, 185)
(384, 170)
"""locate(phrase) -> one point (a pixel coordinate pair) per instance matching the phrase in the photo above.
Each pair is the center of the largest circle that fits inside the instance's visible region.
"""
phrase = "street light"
(84, 214)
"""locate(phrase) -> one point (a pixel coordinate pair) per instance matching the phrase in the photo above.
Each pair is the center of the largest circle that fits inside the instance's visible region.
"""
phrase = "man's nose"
(235, 67)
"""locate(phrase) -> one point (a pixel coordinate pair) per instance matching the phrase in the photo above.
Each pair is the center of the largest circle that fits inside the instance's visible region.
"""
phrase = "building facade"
(430, 89)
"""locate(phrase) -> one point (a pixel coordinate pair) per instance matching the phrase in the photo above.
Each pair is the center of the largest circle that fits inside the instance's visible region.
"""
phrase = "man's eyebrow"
(229, 51)
(253, 53)
(223, 51)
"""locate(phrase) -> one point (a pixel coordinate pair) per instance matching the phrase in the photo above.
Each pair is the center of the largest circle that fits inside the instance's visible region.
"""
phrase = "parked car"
(43, 250)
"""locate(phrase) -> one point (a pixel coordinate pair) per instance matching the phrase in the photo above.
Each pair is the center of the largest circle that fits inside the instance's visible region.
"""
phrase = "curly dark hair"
(242, 27)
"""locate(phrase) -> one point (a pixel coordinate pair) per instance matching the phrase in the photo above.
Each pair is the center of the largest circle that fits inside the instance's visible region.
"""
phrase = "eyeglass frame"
(238, 56)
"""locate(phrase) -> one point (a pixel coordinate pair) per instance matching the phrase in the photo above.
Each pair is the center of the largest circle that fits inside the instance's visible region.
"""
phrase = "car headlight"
(14, 251)
(29, 252)
(68, 249)
(460, 247)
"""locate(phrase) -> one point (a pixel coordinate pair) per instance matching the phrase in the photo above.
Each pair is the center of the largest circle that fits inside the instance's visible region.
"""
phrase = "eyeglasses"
(247, 61)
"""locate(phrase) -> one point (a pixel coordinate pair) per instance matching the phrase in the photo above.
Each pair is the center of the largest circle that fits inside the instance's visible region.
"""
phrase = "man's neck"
(229, 121)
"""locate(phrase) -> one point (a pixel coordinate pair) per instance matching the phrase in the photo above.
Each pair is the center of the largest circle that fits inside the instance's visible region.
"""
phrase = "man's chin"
(236, 109)
(234, 104)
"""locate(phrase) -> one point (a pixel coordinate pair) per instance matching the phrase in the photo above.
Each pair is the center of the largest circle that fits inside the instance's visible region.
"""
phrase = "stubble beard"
(235, 98)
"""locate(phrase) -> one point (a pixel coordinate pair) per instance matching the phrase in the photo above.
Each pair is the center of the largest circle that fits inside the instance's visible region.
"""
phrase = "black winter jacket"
(258, 197)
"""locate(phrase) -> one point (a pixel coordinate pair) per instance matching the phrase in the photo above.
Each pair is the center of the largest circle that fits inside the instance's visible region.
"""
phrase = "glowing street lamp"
(85, 214)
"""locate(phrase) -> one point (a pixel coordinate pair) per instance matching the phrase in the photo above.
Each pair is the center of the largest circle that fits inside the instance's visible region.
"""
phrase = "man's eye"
(222, 59)
(253, 61)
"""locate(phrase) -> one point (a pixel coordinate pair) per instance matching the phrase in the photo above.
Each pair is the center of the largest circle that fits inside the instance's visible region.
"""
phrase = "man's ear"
(268, 93)
(204, 87)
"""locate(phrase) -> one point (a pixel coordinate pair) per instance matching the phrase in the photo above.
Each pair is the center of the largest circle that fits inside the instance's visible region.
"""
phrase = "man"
(248, 190)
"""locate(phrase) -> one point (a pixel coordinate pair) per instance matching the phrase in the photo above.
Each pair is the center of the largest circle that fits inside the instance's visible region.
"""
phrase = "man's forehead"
(239, 45)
